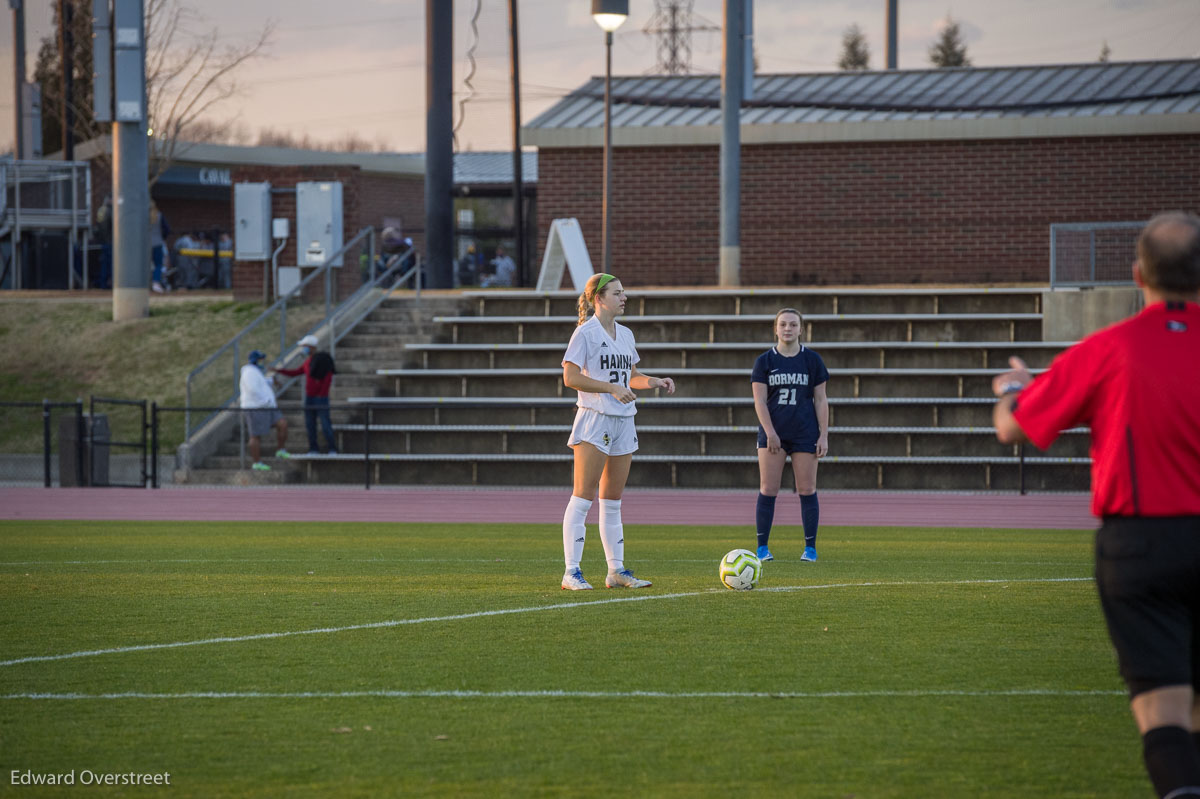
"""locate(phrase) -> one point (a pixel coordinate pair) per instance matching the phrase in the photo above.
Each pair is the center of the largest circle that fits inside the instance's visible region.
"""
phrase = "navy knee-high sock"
(1172, 761)
(764, 517)
(810, 515)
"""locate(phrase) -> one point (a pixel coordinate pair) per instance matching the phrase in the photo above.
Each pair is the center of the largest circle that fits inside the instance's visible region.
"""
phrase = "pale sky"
(358, 65)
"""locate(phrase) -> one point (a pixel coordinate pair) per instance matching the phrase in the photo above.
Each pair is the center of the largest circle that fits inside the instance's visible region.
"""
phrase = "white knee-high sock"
(575, 531)
(612, 533)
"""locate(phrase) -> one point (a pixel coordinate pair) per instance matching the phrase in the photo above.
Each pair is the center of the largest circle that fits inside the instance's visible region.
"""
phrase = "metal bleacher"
(910, 399)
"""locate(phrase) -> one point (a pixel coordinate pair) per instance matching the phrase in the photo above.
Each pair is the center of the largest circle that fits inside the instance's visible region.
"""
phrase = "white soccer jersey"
(601, 358)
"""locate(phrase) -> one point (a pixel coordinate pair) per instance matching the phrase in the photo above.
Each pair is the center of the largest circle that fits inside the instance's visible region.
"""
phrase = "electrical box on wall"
(318, 222)
(252, 217)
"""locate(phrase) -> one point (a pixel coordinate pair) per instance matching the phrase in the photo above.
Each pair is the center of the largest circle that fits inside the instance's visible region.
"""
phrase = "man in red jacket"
(1137, 385)
(318, 371)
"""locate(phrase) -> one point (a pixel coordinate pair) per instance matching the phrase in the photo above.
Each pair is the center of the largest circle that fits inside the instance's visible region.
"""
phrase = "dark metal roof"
(1094, 89)
(474, 169)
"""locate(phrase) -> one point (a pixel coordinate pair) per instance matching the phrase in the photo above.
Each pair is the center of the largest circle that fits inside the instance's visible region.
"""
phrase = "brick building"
(914, 176)
(196, 194)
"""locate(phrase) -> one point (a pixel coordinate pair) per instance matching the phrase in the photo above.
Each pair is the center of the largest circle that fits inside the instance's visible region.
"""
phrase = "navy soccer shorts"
(790, 445)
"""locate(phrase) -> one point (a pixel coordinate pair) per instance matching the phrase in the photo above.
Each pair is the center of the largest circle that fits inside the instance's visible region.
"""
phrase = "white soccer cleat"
(573, 581)
(625, 579)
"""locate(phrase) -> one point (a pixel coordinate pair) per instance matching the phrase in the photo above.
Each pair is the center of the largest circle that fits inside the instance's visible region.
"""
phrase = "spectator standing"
(159, 230)
(1136, 384)
(203, 265)
(184, 274)
(104, 236)
(318, 370)
(465, 269)
(257, 398)
(225, 262)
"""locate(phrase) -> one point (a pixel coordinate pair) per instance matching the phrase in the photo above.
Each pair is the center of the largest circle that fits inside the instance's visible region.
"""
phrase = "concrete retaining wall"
(1071, 314)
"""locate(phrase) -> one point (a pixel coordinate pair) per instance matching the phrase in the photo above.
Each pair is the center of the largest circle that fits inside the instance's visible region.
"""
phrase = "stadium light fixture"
(609, 15)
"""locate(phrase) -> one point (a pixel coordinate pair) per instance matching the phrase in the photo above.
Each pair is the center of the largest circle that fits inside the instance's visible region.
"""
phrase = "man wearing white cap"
(318, 371)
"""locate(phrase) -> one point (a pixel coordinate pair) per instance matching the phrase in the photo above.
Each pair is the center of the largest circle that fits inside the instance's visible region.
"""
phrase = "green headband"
(605, 279)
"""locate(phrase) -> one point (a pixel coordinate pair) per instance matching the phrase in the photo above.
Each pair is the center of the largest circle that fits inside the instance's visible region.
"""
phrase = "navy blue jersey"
(790, 383)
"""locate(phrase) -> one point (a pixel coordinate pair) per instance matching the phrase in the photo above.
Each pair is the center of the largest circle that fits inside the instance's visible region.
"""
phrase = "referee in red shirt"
(1137, 385)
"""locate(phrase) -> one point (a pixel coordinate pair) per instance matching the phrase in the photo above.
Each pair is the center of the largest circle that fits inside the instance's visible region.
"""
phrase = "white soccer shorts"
(612, 435)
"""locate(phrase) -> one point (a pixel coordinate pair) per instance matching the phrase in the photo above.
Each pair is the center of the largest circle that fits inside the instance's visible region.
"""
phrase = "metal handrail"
(330, 319)
(390, 268)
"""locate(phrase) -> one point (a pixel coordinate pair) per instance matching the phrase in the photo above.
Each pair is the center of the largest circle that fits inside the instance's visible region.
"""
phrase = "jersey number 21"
(787, 396)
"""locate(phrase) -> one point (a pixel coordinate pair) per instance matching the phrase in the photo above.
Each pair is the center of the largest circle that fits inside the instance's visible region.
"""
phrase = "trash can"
(95, 456)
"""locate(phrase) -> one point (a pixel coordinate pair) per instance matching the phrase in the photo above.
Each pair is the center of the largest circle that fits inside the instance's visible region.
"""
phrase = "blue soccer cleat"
(764, 555)
(810, 554)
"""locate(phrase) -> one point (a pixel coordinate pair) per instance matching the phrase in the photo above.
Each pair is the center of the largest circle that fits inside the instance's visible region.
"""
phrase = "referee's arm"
(1007, 428)
(1007, 387)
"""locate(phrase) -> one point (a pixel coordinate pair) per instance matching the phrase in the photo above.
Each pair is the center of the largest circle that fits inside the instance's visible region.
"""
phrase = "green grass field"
(367, 660)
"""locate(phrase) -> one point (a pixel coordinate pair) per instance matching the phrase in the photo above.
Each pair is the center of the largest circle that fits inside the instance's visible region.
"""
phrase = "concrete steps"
(471, 391)
(740, 328)
(675, 355)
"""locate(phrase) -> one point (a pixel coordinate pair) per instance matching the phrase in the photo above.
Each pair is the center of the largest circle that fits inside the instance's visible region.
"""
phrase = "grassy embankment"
(69, 347)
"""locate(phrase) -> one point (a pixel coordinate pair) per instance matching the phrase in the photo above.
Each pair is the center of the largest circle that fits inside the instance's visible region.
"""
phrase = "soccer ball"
(740, 570)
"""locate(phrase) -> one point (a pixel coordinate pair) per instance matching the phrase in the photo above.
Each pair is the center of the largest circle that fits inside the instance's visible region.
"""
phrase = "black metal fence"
(71, 444)
(168, 422)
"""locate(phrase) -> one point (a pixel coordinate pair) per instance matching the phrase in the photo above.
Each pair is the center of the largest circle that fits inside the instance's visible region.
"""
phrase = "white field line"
(403, 559)
(504, 612)
(384, 694)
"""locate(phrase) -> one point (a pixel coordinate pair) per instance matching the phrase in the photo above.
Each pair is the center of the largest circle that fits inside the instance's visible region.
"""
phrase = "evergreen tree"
(949, 50)
(855, 53)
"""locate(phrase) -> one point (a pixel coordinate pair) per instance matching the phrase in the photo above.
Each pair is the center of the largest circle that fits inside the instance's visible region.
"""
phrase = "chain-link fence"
(1093, 253)
(45, 443)
(102, 441)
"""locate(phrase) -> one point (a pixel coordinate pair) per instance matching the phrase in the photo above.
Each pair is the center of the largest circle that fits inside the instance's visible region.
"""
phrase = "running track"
(526, 505)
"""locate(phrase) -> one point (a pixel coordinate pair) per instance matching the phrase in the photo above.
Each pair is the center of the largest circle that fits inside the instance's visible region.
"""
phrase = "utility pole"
(18, 78)
(893, 12)
(120, 97)
(518, 177)
(66, 50)
(439, 140)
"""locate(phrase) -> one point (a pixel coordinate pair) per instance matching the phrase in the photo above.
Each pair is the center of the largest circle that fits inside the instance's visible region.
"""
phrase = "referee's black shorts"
(1148, 575)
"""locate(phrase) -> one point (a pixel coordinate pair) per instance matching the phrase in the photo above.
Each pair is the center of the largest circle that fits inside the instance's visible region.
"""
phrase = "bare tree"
(855, 54)
(949, 50)
(216, 131)
(188, 74)
(348, 143)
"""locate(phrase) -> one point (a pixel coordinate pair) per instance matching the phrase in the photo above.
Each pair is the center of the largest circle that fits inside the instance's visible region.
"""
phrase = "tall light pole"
(609, 14)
